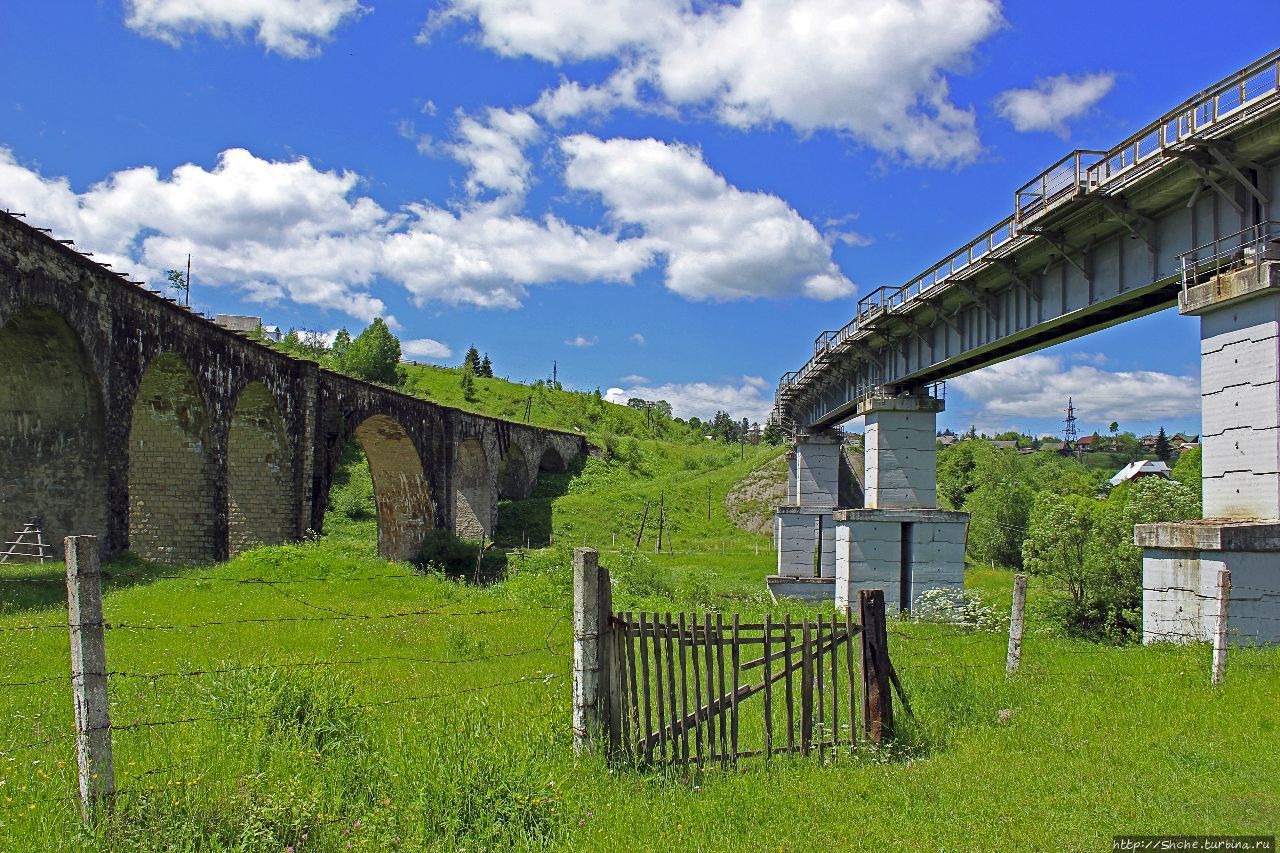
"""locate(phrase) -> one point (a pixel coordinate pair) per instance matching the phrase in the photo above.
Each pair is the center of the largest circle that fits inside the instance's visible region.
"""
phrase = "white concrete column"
(900, 444)
(1240, 392)
(813, 471)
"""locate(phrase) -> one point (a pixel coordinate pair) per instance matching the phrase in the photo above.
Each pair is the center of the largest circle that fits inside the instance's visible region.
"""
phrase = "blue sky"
(668, 198)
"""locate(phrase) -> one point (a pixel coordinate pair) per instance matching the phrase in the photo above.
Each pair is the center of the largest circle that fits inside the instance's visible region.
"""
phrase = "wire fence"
(448, 674)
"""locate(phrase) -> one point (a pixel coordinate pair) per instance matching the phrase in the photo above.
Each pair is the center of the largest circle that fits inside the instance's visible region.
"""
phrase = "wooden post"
(589, 700)
(89, 674)
(1220, 627)
(1014, 658)
(643, 519)
(877, 701)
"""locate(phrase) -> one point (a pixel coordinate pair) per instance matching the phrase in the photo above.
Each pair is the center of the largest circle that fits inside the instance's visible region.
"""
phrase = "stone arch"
(400, 488)
(473, 491)
(172, 478)
(52, 430)
(551, 462)
(260, 492)
(514, 482)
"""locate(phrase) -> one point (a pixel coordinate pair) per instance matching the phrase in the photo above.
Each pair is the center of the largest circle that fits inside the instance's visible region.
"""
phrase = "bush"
(453, 557)
(955, 607)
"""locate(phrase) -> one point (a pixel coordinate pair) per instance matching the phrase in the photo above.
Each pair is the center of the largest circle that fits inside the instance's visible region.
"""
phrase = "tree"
(1163, 449)
(341, 343)
(468, 385)
(374, 354)
(772, 435)
(1187, 470)
(178, 283)
(486, 367)
(471, 361)
(1114, 428)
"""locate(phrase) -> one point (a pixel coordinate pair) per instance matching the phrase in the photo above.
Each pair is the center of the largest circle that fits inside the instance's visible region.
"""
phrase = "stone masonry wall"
(260, 486)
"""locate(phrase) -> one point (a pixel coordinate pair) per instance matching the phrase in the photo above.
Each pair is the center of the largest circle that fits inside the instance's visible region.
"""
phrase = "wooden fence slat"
(634, 721)
(806, 688)
(613, 682)
(672, 706)
(711, 685)
(644, 680)
(684, 694)
(835, 682)
(818, 677)
(724, 735)
(768, 691)
(736, 673)
(655, 624)
(789, 669)
(625, 697)
(697, 689)
(853, 693)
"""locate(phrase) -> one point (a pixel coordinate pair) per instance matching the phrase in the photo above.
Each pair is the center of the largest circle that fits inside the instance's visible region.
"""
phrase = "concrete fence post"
(1220, 627)
(89, 674)
(1014, 658)
(591, 602)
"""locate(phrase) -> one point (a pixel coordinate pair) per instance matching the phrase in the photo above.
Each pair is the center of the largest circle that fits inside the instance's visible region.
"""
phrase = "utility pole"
(188, 288)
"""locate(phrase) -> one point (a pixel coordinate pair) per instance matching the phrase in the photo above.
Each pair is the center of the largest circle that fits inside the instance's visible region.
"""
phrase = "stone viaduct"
(127, 416)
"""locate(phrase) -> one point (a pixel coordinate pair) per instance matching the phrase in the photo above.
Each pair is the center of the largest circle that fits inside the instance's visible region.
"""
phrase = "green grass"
(1101, 740)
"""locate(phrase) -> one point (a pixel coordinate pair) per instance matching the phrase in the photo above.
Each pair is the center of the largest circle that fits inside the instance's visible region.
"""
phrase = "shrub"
(443, 552)
(955, 607)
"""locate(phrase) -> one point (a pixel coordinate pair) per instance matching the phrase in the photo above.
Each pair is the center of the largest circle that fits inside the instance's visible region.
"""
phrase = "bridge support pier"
(803, 531)
(1240, 407)
(900, 543)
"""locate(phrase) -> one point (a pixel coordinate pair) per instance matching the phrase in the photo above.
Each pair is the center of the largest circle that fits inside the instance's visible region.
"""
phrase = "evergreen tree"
(1163, 448)
(471, 361)
(486, 367)
(341, 343)
(374, 354)
(468, 385)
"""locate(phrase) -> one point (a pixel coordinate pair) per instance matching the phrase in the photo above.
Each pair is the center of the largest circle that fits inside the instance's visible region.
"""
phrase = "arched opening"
(260, 492)
(551, 462)
(514, 482)
(171, 472)
(400, 489)
(473, 493)
(52, 431)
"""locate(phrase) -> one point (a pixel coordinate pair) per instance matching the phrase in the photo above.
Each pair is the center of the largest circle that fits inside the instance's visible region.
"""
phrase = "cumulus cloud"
(425, 348)
(874, 69)
(719, 242)
(293, 28)
(277, 230)
(582, 341)
(1052, 102)
(638, 338)
(741, 398)
(1037, 386)
(635, 379)
(493, 151)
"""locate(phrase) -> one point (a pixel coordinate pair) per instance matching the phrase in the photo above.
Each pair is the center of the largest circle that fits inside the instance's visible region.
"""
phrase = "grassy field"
(448, 728)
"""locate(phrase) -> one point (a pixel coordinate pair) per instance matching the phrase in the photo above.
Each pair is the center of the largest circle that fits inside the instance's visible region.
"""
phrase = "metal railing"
(1078, 174)
(1259, 242)
(1067, 179)
(1220, 104)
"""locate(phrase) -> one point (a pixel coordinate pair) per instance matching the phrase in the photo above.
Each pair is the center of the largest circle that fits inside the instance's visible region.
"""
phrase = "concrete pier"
(900, 542)
(807, 569)
(1240, 402)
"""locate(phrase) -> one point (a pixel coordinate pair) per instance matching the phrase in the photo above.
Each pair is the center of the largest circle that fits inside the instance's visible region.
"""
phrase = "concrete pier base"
(901, 551)
(1180, 565)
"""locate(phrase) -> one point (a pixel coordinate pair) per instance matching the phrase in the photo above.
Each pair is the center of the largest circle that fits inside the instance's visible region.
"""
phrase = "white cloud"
(293, 28)
(582, 341)
(493, 151)
(1037, 386)
(638, 338)
(875, 69)
(743, 398)
(425, 348)
(635, 379)
(719, 242)
(277, 230)
(1052, 102)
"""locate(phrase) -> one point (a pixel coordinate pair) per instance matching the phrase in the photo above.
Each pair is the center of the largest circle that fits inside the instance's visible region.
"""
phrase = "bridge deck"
(1097, 238)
